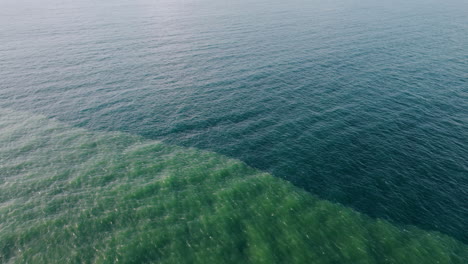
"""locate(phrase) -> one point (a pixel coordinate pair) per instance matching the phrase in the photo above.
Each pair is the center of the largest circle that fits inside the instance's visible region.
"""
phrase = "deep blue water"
(364, 103)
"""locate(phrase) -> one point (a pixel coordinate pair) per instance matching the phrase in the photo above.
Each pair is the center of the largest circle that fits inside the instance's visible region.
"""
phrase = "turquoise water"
(75, 196)
(357, 105)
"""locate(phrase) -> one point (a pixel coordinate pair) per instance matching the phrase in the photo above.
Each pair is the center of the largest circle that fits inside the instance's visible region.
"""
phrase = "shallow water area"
(75, 196)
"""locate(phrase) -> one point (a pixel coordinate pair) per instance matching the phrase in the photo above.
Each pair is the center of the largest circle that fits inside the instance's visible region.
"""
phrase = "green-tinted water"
(68, 195)
(359, 102)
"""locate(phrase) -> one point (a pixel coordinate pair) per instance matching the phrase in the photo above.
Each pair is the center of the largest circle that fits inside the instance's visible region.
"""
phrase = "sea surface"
(216, 131)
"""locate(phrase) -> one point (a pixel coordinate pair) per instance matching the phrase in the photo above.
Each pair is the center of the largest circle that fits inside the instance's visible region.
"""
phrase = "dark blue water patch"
(359, 103)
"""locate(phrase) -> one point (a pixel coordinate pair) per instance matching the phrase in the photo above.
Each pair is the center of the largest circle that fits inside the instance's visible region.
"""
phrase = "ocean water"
(219, 131)
(75, 196)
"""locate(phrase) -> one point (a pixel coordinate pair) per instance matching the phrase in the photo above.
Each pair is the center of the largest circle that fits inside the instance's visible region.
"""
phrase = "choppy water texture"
(74, 196)
(360, 103)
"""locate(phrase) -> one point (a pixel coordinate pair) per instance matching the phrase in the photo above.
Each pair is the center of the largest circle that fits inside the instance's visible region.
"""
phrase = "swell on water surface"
(362, 103)
(69, 195)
